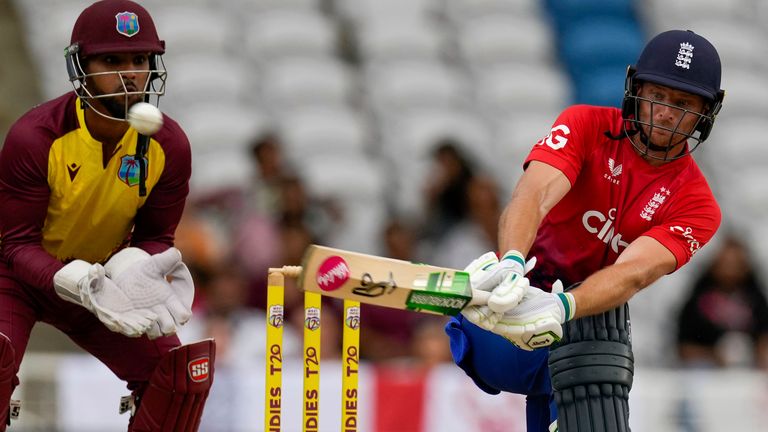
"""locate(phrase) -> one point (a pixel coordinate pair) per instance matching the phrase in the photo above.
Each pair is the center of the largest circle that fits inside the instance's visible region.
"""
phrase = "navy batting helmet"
(115, 26)
(682, 60)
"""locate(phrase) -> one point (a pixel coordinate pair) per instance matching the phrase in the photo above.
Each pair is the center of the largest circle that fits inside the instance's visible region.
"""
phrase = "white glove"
(537, 320)
(86, 285)
(486, 273)
(143, 278)
(512, 283)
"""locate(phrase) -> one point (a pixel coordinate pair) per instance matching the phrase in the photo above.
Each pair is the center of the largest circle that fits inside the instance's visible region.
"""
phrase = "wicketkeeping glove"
(159, 283)
(537, 320)
(485, 274)
(86, 285)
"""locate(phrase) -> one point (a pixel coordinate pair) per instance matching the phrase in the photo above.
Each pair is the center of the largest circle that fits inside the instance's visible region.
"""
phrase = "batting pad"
(592, 368)
(176, 393)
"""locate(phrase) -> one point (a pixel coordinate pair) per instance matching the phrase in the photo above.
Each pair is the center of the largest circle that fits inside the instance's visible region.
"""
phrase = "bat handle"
(479, 298)
(290, 271)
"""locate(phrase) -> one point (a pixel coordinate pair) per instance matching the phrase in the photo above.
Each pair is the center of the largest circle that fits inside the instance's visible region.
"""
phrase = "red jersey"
(616, 196)
(60, 199)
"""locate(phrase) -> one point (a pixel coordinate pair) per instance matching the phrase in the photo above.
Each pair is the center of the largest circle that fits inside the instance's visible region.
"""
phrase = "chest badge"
(129, 170)
(654, 203)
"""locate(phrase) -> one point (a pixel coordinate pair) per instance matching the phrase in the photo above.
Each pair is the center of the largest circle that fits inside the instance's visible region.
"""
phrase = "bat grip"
(479, 298)
(290, 271)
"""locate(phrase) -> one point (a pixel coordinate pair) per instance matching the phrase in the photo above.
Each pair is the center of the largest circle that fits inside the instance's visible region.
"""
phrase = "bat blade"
(387, 282)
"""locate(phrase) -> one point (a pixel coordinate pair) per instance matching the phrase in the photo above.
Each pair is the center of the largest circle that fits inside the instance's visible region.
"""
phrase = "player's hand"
(159, 283)
(485, 274)
(537, 320)
(481, 272)
(511, 283)
(86, 284)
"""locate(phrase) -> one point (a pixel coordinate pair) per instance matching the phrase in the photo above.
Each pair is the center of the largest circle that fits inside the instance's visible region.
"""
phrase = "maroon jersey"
(61, 199)
(615, 197)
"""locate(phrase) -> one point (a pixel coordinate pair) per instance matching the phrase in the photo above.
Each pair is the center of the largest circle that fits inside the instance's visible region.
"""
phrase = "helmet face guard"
(680, 60)
(153, 88)
(639, 130)
(111, 27)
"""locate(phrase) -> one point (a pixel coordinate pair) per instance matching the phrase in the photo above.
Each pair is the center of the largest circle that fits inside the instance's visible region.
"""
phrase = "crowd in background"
(230, 238)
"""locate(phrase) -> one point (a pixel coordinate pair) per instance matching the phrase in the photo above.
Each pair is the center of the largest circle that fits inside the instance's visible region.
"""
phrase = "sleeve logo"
(557, 137)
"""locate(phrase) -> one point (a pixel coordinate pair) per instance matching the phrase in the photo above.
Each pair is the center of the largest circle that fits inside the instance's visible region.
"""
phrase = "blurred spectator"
(446, 192)
(267, 153)
(724, 321)
(387, 334)
(428, 344)
(477, 233)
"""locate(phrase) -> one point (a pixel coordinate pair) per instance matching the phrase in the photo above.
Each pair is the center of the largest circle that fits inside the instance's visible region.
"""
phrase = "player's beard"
(117, 106)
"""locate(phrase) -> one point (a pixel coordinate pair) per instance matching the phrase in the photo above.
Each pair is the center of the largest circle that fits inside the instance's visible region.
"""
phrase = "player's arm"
(643, 262)
(537, 320)
(24, 196)
(539, 189)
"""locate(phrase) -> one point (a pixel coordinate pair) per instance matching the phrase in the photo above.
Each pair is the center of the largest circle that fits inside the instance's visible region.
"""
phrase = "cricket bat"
(386, 282)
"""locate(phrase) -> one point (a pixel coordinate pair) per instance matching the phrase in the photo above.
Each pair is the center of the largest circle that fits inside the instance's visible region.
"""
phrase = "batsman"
(88, 211)
(610, 201)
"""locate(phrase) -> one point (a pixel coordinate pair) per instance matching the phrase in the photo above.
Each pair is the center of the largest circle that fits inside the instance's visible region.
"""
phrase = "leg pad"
(174, 398)
(592, 368)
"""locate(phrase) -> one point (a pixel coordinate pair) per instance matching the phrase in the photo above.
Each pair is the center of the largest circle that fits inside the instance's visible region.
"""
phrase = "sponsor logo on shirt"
(654, 203)
(687, 234)
(613, 172)
(596, 222)
(557, 137)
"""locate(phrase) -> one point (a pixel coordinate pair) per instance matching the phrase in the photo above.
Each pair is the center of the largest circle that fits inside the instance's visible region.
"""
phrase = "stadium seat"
(679, 14)
(565, 13)
(323, 130)
(745, 93)
(287, 33)
(364, 12)
(214, 127)
(510, 87)
(603, 86)
(513, 138)
(400, 85)
(414, 133)
(590, 44)
(207, 77)
(458, 11)
(489, 39)
(193, 30)
(393, 39)
(295, 81)
(731, 38)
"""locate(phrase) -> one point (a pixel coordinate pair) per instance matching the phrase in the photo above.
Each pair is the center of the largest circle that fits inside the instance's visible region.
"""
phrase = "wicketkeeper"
(88, 210)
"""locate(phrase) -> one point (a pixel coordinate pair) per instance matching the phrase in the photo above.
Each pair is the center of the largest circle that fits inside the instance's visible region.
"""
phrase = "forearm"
(609, 288)
(540, 188)
(33, 266)
(518, 225)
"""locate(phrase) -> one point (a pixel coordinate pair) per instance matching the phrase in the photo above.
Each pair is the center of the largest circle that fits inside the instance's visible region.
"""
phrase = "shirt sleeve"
(566, 145)
(24, 195)
(156, 220)
(691, 225)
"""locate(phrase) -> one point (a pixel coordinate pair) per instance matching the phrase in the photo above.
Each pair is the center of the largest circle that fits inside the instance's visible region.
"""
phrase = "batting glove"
(537, 320)
(486, 273)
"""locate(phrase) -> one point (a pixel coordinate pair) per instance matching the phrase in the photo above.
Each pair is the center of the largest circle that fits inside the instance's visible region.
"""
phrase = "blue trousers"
(496, 365)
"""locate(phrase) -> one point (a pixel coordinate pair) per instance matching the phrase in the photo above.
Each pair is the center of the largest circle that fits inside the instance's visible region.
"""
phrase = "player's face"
(668, 114)
(123, 75)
